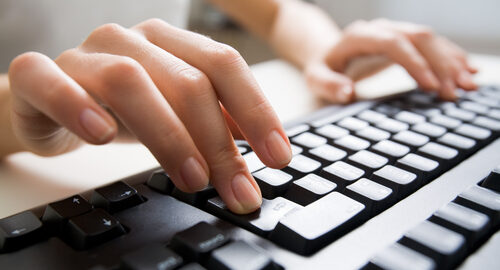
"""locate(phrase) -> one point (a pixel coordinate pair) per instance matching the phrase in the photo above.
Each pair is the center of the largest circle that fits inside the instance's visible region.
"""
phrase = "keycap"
(473, 131)
(19, 231)
(192, 266)
(262, 221)
(116, 197)
(492, 181)
(352, 143)
(471, 224)
(373, 134)
(387, 109)
(400, 181)
(487, 122)
(301, 164)
(474, 107)
(352, 123)
(309, 140)
(494, 114)
(390, 149)
(445, 121)
(342, 173)
(161, 182)
(438, 152)
(429, 129)
(457, 141)
(374, 196)
(444, 246)
(308, 189)
(392, 125)
(153, 256)
(57, 213)
(328, 152)
(409, 117)
(92, 228)
(410, 138)
(296, 149)
(195, 243)
(297, 130)
(399, 257)
(332, 131)
(272, 182)
(242, 149)
(460, 114)
(367, 160)
(253, 162)
(427, 111)
(486, 257)
(198, 198)
(241, 255)
(308, 229)
(371, 116)
(483, 200)
(423, 167)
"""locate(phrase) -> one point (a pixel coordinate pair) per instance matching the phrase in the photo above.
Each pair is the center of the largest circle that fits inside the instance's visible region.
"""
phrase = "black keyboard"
(351, 166)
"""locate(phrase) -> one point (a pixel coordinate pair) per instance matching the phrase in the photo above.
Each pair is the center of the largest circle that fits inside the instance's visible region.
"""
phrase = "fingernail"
(344, 94)
(245, 193)
(430, 80)
(95, 125)
(278, 148)
(193, 174)
(464, 79)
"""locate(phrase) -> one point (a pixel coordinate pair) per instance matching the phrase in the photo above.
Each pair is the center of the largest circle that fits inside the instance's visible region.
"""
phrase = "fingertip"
(429, 80)
(464, 80)
(447, 91)
(247, 195)
(344, 94)
(279, 149)
(99, 130)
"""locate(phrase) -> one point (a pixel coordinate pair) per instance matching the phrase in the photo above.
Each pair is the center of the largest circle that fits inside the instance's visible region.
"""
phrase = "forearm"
(298, 31)
(8, 141)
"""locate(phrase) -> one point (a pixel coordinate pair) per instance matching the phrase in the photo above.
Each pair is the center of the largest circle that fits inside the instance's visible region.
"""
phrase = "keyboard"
(405, 182)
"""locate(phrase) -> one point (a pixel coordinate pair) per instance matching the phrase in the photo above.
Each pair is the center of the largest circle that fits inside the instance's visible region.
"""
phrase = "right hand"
(169, 88)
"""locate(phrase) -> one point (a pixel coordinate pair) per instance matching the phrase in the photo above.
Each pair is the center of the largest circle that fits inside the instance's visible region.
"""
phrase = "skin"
(173, 90)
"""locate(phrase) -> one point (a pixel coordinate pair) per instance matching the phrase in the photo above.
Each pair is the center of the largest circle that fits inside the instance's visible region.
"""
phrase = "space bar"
(307, 230)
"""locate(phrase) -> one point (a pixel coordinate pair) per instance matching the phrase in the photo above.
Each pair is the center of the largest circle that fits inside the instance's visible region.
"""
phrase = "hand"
(434, 62)
(166, 86)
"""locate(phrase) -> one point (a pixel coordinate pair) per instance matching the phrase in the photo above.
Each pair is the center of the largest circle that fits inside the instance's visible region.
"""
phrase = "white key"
(303, 164)
(253, 162)
(310, 140)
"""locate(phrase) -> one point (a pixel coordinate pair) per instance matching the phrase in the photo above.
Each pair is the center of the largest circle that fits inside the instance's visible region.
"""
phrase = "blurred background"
(474, 25)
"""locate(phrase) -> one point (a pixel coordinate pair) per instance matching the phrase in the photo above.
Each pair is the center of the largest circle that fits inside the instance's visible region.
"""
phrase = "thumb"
(329, 84)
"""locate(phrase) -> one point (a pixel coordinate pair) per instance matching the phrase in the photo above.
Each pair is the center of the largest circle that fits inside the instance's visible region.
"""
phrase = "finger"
(52, 92)
(233, 127)
(123, 85)
(328, 84)
(195, 102)
(235, 86)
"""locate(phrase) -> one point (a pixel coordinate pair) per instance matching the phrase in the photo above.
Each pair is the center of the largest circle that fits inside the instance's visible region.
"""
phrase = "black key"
(262, 221)
(423, 167)
(444, 246)
(457, 141)
(352, 143)
(161, 182)
(93, 228)
(368, 161)
(272, 182)
(374, 196)
(19, 230)
(392, 125)
(402, 182)
(409, 117)
(492, 181)
(429, 129)
(151, 257)
(198, 198)
(57, 214)
(473, 132)
(352, 123)
(328, 153)
(342, 173)
(443, 154)
(241, 255)
(195, 243)
(483, 200)
(410, 138)
(397, 256)
(301, 232)
(192, 266)
(471, 224)
(116, 197)
(373, 134)
(371, 116)
(332, 131)
(308, 189)
(391, 149)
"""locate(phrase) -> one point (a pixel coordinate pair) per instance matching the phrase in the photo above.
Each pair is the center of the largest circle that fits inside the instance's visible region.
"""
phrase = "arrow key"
(92, 229)
(19, 230)
(57, 213)
(116, 197)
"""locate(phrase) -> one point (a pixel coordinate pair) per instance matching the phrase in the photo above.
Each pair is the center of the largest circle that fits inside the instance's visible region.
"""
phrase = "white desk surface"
(27, 181)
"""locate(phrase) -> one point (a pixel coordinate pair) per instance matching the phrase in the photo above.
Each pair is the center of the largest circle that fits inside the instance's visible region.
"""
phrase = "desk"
(27, 181)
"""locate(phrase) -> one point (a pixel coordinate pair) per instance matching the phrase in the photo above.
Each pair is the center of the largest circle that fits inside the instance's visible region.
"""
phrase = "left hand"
(433, 61)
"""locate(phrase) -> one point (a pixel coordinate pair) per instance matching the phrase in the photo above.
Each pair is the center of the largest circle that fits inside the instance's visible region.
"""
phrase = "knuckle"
(103, 32)
(192, 81)
(25, 61)
(154, 23)
(222, 55)
(422, 33)
(227, 156)
(121, 71)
